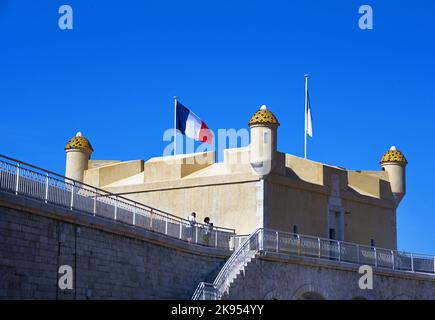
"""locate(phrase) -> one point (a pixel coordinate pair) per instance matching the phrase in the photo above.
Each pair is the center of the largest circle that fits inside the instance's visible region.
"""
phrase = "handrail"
(295, 235)
(105, 192)
(51, 187)
(241, 238)
(346, 252)
(233, 260)
(202, 291)
(198, 291)
(220, 278)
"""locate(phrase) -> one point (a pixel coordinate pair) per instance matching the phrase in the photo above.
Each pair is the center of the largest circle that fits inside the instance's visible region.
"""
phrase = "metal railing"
(237, 240)
(246, 251)
(290, 244)
(205, 291)
(241, 256)
(26, 180)
(307, 246)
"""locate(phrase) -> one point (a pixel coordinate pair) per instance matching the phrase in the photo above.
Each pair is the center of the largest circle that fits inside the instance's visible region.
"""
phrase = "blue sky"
(115, 74)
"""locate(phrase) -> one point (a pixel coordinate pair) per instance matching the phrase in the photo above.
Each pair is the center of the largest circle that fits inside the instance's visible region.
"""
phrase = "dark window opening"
(332, 234)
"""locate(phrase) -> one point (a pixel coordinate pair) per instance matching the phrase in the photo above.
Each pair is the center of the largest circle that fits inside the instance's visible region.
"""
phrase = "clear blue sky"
(115, 74)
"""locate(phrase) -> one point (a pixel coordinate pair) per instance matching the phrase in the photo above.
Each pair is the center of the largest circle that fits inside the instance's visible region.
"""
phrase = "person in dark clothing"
(208, 227)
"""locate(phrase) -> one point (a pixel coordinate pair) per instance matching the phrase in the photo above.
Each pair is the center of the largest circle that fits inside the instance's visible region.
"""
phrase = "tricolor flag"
(191, 125)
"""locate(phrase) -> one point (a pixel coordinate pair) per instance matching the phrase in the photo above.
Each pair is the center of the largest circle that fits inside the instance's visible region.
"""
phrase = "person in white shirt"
(192, 222)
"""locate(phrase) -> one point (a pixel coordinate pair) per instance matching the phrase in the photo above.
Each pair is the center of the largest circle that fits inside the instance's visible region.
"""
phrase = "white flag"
(308, 118)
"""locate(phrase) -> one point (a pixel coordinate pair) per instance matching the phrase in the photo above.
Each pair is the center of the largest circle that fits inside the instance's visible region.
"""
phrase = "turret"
(263, 145)
(394, 163)
(78, 152)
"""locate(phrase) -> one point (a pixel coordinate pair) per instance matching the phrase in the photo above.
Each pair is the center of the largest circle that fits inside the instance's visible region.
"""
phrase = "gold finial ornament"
(394, 155)
(263, 116)
(79, 142)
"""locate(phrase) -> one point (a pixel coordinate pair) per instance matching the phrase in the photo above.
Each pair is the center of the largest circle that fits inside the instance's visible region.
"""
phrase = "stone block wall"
(109, 260)
(274, 276)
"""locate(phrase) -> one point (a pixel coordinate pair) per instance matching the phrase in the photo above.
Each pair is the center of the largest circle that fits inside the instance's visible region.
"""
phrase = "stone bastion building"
(285, 227)
(258, 187)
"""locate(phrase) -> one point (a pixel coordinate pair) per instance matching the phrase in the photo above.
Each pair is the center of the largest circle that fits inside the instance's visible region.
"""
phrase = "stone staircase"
(233, 269)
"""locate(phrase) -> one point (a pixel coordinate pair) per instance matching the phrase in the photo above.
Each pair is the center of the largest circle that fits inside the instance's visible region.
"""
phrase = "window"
(295, 229)
(266, 138)
(332, 234)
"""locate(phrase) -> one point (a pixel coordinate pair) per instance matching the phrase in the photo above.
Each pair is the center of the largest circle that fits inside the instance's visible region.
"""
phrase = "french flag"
(190, 125)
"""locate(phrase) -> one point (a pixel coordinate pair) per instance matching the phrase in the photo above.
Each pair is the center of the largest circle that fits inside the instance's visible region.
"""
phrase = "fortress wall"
(232, 205)
(276, 277)
(365, 221)
(288, 206)
(365, 218)
(110, 260)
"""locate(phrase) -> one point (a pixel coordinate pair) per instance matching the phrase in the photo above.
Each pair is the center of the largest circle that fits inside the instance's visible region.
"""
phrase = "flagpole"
(306, 114)
(175, 125)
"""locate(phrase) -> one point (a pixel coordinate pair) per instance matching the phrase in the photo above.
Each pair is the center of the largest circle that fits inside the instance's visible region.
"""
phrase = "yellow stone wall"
(301, 193)
(290, 205)
(307, 207)
(365, 221)
(105, 175)
(230, 203)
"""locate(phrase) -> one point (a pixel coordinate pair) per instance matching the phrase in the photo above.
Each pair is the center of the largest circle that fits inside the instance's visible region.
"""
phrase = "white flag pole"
(175, 125)
(306, 115)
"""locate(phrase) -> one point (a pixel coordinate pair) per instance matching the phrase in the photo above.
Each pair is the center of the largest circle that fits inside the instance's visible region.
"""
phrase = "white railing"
(241, 256)
(205, 291)
(30, 181)
(237, 240)
(238, 259)
(300, 245)
(290, 244)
